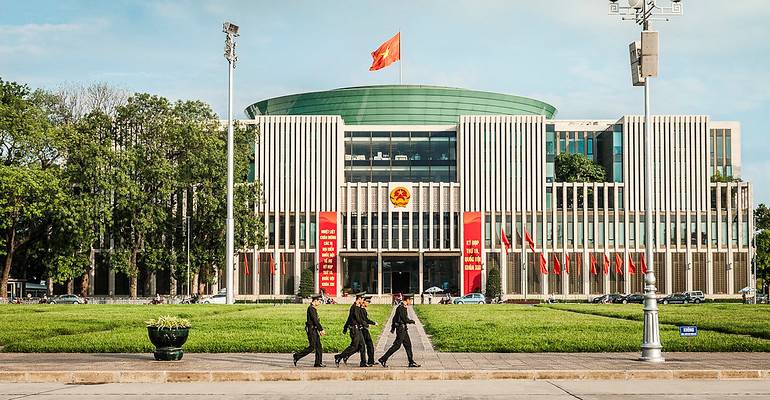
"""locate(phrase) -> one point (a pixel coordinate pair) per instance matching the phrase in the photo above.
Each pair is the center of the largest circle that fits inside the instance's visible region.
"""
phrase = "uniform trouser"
(313, 344)
(369, 346)
(356, 345)
(402, 337)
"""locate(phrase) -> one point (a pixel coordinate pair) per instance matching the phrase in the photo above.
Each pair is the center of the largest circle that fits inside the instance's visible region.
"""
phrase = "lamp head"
(230, 28)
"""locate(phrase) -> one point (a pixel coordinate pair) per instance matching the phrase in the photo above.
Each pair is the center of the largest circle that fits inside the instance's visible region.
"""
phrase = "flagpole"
(400, 60)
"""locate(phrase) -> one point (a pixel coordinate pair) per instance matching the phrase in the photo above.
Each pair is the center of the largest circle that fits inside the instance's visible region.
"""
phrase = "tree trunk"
(134, 276)
(172, 284)
(71, 286)
(85, 283)
(10, 250)
(194, 284)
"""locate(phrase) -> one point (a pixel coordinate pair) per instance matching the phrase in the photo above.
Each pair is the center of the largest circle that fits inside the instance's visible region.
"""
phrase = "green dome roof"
(400, 105)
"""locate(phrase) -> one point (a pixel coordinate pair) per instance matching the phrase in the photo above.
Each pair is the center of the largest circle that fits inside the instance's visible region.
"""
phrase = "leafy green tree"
(306, 284)
(762, 217)
(577, 168)
(719, 178)
(494, 282)
(29, 195)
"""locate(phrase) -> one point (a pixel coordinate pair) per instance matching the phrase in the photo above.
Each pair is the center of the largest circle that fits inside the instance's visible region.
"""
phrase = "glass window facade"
(401, 156)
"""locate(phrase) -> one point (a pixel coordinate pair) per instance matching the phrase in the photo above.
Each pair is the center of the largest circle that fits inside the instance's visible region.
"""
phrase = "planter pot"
(168, 342)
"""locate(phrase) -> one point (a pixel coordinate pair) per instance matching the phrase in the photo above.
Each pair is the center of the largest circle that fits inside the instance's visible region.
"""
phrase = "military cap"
(407, 296)
(360, 295)
(316, 297)
(368, 298)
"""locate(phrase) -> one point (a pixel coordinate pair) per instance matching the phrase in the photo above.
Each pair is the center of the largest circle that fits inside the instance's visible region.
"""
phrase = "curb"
(101, 377)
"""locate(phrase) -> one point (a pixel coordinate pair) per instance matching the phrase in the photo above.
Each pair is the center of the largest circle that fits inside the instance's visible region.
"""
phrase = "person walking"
(314, 332)
(354, 323)
(365, 331)
(400, 321)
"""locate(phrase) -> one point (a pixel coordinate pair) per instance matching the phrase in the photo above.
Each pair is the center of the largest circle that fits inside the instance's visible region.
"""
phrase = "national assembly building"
(400, 189)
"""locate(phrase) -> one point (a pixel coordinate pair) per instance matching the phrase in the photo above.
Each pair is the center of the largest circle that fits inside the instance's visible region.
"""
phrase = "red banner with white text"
(472, 252)
(327, 252)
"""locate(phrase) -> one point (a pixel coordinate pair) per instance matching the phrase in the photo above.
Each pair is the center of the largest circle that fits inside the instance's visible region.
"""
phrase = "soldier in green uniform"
(400, 320)
(314, 332)
(354, 323)
(365, 331)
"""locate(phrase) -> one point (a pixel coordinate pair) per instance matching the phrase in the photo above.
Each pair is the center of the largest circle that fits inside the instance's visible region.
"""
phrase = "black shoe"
(345, 360)
(364, 365)
(414, 365)
(294, 356)
(337, 361)
(383, 363)
(371, 364)
(320, 366)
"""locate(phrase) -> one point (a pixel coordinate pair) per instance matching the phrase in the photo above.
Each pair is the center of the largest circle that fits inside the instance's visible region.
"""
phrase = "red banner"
(472, 252)
(327, 252)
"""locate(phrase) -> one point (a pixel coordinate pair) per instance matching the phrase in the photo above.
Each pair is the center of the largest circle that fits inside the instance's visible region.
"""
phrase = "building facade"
(397, 189)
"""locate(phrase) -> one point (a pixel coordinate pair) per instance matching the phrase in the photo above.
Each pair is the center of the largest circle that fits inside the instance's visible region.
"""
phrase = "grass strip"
(521, 328)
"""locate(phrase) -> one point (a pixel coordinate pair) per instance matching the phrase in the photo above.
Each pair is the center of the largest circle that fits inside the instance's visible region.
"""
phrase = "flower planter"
(168, 342)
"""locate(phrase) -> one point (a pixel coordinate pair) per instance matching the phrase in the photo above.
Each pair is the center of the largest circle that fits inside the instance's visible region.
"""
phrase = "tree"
(494, 282)
(762, 217)
(719, 178)
(306, 284)
(28, 198)
(577, 168)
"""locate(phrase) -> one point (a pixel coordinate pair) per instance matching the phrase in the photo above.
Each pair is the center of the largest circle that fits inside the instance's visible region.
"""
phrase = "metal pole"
(230, 298)
(189, 282)
(651, 346)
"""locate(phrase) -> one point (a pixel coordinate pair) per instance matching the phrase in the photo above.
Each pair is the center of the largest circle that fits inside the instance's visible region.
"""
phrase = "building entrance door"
(400, 274)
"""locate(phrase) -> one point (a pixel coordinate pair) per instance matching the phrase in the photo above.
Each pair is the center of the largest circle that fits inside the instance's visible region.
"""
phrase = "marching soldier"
(314, 332)
(400, 320)
(354, 323)
(365, 331)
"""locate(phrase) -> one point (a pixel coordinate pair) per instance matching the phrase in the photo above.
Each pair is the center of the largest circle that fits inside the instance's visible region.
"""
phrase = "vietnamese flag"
(631, 266)
(579, 264)
(618, 264)
(529, 240)
(644, 265)
(543, 265)
(246, 265)
(556, 265)
(606, 265)
(593, 264)
(566, 263)
(505, 240)
(388, 53)
(272, 265)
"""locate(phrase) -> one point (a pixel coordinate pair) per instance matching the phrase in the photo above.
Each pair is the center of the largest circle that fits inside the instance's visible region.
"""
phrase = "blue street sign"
(688, 331)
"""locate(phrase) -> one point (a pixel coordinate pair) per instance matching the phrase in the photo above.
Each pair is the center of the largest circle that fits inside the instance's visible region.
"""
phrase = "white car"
(219, 298)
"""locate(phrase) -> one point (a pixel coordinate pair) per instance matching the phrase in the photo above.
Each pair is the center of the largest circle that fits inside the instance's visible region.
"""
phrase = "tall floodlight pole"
(231, 30)
(644, 65)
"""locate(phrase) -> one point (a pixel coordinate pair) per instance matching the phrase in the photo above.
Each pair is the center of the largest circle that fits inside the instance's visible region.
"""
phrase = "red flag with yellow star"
(388, 53)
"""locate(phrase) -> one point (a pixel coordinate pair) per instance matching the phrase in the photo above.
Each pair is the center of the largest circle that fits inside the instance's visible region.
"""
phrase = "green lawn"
(742, 319)
(521, 328)
(216, 328)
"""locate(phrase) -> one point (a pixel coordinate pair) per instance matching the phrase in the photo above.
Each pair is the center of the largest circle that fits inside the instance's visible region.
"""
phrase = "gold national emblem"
(399, 196)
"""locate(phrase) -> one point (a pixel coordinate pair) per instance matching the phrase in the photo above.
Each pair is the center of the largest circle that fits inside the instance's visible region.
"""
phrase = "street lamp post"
(231, 30)
(642, 12)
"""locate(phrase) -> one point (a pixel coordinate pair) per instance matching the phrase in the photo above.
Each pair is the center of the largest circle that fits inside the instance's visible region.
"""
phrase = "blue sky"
(569, 53)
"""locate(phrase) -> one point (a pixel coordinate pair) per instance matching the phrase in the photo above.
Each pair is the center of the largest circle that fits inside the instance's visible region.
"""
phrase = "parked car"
(696, 296)
(219, 298)
(66, 299)
(636, 298)
(677, 298)
(472, 298)
(761, 298)
(600, 299)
